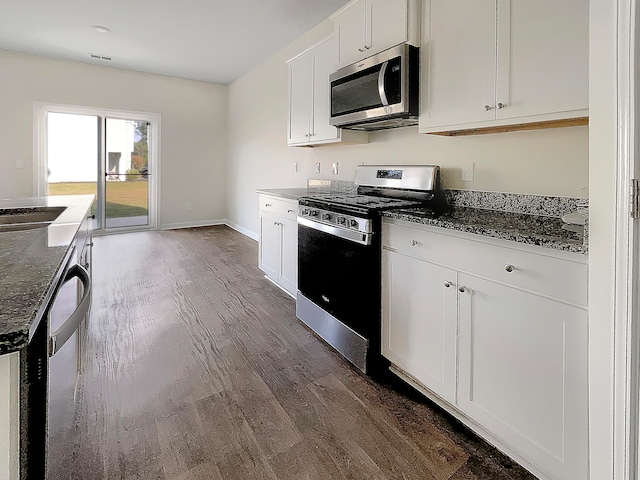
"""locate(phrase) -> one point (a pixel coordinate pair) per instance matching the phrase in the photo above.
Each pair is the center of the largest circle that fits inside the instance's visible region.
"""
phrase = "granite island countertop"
(518, 227)
(29, 262)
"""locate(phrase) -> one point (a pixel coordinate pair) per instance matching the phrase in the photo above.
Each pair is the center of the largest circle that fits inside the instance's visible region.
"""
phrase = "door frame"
(626, 321)
(40, 183)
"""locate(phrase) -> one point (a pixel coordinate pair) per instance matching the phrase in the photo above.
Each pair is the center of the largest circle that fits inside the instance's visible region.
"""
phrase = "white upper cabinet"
(351, 33)
(300, 100)
(366, 27)
(458, 62)
(309, 98)
(488, 63)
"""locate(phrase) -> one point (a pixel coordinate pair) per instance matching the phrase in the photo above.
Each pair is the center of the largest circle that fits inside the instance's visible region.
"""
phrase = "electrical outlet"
(334, 169)
(318, 167)
(466, 171)
(19, 163)
(188, 205)
(295, 167)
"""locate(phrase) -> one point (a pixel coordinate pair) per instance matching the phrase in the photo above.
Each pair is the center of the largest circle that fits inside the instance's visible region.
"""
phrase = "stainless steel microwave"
(378, 92)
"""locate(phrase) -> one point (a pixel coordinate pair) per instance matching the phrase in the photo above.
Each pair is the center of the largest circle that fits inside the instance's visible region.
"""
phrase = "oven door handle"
(70, 325)
(353, 236)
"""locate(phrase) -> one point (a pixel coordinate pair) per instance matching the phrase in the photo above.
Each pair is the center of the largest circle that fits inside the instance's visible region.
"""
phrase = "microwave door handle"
(381, 76)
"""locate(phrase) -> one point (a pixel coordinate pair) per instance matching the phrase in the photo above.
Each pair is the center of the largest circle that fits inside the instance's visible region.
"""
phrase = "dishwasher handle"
(71, 324)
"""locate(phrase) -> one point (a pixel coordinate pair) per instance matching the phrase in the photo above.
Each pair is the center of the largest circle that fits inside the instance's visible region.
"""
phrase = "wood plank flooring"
(197, 368)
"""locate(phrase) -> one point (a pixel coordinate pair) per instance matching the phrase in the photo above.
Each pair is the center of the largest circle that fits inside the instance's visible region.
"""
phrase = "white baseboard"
(242, 230)
(205, 223)
(209, 223)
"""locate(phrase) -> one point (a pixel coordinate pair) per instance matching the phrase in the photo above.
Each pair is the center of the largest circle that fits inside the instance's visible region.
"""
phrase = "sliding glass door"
(109, 156)
(126, 173)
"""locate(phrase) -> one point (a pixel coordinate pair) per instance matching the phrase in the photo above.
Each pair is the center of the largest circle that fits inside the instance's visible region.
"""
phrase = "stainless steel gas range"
(339, 256)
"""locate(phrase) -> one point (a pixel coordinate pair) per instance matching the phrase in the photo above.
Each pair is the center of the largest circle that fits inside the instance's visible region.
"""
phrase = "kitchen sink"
(29, 215)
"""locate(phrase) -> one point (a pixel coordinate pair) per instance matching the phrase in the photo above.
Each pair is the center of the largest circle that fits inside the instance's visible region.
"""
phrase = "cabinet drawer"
(279, 206)
(536, 272)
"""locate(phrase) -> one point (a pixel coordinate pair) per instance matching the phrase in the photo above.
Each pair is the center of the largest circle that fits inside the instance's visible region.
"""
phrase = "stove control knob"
(304, 211)
(353, 223)
(326, 216)
(342, 221)
(313, 213)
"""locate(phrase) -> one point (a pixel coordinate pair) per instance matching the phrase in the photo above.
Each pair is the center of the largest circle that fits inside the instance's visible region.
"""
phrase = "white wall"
(547, 162)
(193, 137)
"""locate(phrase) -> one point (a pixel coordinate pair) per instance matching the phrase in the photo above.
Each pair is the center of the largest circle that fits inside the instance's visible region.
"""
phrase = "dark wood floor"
(197, 368)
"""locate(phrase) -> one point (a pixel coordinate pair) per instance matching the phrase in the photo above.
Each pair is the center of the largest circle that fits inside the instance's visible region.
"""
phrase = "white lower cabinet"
(420, 316)
(493, 344)
(523, 372)
(278, 243)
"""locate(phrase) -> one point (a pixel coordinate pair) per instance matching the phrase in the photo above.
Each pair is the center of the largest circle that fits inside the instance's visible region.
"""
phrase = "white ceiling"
(214, 41)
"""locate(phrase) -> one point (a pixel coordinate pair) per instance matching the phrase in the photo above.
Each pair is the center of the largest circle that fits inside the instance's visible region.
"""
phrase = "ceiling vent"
(100, 57)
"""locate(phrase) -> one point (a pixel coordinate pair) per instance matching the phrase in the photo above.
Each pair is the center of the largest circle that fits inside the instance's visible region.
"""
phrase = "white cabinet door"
(419, 321)
(289, 253)
(386, 24)
(543, 57)
(350, 32)
(269, 251)
(300, 98)
(458, 62)
(523, 373)
(324, 58)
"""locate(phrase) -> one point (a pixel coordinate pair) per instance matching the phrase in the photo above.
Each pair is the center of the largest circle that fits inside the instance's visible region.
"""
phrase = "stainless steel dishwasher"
(52, 364)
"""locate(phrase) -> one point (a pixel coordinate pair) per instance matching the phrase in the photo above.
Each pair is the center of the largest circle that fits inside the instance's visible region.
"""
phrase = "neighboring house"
(72, 148)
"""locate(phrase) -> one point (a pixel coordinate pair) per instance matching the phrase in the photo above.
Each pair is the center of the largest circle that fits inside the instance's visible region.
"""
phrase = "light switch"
(334, 169)
(318, 167)
(466, 171)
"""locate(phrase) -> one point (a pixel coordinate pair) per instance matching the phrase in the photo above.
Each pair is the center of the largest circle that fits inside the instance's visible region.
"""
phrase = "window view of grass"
(124, 199)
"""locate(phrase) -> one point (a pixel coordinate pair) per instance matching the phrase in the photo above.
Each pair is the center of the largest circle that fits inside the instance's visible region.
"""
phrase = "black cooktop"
(358, 201)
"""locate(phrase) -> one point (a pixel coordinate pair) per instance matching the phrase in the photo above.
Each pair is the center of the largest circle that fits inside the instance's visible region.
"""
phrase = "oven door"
(342, 277)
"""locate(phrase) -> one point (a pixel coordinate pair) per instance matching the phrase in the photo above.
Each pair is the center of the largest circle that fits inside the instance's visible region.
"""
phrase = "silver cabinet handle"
(415, 243)
(290, 211)
(509, 268)
(501, 106)
(488, 107)
(366, 47)
(361, 50)
(62, 334)
(448, 284)
(462, 289)
(267, 204)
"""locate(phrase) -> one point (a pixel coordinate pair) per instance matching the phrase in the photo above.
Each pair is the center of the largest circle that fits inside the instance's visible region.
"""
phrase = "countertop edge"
(519, 238)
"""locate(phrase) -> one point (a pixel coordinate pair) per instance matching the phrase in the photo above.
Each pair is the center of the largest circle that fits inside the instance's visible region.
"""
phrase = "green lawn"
(124, 199)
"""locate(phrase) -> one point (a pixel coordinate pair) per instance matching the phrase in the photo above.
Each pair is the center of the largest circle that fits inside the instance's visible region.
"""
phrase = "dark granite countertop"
(29, 262)
(294, 193)
(518, 227)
